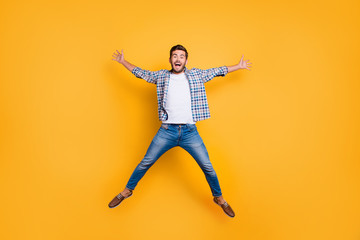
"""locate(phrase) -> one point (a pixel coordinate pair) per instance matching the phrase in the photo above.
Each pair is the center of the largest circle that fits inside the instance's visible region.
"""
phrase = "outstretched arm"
(149, 76)
(241, 65)
(119, 57)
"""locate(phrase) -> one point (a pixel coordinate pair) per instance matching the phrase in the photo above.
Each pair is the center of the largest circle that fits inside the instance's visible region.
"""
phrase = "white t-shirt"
(178, 103)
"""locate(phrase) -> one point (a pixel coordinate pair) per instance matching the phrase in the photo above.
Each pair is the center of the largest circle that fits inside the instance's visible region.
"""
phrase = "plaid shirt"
(197, 78)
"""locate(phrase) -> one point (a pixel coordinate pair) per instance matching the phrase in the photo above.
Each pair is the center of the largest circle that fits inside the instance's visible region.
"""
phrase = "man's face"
(178, 61)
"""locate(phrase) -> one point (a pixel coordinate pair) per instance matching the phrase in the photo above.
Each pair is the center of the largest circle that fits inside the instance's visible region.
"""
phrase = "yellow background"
(283, 137)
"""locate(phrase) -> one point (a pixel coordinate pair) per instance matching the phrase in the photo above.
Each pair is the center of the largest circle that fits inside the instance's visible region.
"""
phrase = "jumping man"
(182, 102)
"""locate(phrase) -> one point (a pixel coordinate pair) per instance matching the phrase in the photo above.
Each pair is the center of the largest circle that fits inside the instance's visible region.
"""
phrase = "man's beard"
(180, 70)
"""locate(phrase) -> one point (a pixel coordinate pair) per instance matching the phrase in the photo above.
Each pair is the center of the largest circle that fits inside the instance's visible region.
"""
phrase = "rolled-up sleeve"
(149, 76)
(209, 74)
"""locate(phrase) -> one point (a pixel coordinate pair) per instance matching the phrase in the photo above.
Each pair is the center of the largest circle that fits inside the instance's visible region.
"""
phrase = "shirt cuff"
(224, 70)
(135, 70)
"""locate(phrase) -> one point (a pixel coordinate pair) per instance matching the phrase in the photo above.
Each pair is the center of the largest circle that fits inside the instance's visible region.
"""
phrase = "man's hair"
(179, 47)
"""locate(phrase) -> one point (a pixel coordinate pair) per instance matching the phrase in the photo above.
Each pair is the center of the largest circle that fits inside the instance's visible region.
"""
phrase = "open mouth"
(177, 64)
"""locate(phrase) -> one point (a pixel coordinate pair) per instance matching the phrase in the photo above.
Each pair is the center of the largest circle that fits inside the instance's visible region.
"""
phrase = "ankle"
(220, 200)
(126, 192)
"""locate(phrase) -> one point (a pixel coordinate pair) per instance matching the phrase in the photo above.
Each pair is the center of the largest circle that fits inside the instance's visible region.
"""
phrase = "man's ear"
(170, 60)
(186, 61)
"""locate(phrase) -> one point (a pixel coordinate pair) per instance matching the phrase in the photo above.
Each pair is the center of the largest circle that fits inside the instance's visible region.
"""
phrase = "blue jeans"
(172, 135)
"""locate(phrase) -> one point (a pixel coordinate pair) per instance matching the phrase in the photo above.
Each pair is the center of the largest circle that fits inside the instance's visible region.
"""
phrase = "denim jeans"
(187, 137)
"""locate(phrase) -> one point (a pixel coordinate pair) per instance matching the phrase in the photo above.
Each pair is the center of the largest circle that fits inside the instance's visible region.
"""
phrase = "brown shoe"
(117, 200)
(226, 207)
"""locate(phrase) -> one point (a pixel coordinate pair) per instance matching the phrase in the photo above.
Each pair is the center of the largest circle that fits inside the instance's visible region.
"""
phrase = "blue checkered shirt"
(197, 78)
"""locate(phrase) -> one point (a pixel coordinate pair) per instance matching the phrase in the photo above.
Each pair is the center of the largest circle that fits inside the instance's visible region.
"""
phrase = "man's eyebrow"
(180, 54)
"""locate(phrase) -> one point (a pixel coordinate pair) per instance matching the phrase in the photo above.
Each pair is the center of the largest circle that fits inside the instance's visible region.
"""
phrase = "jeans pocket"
(192, 127)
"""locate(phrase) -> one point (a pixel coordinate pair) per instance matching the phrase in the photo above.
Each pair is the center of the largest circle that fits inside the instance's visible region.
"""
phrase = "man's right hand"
(119, 57)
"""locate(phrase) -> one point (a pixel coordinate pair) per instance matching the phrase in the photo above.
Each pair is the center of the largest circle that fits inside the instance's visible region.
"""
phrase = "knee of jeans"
(208, 169)
(145, 163)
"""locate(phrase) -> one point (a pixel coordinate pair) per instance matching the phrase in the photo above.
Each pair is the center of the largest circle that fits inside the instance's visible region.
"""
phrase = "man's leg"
(159, 145)
(162, 142)
(193, 144)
